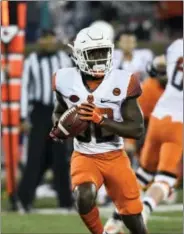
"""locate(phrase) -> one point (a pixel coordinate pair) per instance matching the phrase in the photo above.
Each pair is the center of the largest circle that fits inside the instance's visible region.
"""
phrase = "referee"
(42, 152)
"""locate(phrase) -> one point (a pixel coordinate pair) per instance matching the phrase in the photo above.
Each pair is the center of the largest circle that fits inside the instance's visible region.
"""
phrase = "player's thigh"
(149, 157)
(171, 152)
(170, 156)
(122, 186)
(84, 170)
(172, 131)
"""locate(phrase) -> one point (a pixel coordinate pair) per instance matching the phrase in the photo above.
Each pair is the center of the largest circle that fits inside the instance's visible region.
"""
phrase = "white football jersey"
(171, 101)
(108, 96)
(140, 59)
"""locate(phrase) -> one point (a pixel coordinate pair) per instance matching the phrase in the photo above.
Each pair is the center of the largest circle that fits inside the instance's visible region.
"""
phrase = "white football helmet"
(93, 51)
(101, 24)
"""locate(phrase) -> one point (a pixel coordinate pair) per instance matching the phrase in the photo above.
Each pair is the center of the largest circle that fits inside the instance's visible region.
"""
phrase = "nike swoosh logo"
(108, 101)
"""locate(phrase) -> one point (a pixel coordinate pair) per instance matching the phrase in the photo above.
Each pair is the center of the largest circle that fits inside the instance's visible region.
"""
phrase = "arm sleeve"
(24, 102)
(134, 88)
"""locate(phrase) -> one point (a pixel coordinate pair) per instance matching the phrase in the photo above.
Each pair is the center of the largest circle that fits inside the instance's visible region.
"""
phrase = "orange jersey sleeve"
(134, 88)
(151, 92)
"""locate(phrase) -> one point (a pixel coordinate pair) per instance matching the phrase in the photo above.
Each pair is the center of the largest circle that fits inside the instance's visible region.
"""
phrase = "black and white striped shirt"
(37, 78)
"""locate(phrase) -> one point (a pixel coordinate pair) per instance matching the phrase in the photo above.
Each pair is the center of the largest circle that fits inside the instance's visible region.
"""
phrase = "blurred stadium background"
(152, 22)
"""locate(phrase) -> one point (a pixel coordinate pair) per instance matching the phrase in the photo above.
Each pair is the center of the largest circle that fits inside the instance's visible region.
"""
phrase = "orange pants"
(162, 150)
(114, 170)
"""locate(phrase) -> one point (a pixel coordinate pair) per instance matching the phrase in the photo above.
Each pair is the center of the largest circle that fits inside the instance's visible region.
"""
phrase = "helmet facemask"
(95, 61)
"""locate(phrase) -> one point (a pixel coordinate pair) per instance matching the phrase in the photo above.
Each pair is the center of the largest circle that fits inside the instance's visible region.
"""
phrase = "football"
(70, 123)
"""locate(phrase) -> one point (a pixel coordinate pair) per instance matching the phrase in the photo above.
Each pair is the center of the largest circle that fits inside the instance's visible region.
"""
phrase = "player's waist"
(110, 155)
(169, 105)
(97, 148)
(170, 101)
(172, 109)
(176, 115)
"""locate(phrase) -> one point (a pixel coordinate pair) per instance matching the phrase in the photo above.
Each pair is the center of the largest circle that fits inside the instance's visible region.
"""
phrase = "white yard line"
(153, 217)
(105, 214)
(161, 208)
(107, 211)
(166, 218)
(170, 208)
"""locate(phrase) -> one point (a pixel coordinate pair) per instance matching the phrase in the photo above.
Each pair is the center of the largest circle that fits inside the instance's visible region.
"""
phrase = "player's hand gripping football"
(89, 112)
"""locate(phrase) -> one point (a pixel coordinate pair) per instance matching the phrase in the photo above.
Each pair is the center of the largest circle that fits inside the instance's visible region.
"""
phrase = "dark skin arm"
(133, 124)
(59, 109)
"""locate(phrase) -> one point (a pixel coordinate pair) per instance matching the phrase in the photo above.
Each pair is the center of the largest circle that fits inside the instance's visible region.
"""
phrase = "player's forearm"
(58, 111)
(55, 117)
(127, 129)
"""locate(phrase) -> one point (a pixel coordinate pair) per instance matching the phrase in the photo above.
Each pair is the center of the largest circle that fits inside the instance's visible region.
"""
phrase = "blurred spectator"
(143, 30)
(33, 21)
(128, 57)
(170, 16)
(42, 153)
(45, 16)
(71, 17)
(146, 19)
(63, 19)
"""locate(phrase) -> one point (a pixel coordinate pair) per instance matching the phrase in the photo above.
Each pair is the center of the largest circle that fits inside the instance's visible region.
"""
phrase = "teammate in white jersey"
(162, 150)
(108, 99)
(129, 58)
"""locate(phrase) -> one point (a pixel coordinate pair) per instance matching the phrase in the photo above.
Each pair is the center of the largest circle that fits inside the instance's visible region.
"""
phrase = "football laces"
(67, 113)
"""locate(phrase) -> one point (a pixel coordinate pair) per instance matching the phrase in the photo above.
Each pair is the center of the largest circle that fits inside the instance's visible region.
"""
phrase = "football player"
(107, 98)
(152, 89)
(162, 150)
(129, 58)
(154, 84)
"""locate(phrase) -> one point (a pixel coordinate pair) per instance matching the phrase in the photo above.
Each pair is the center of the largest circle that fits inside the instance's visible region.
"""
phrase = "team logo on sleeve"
(74, 98)
(116, 91)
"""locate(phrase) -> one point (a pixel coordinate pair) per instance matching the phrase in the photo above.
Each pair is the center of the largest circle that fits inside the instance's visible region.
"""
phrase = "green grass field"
(162, 223)
(167, 222)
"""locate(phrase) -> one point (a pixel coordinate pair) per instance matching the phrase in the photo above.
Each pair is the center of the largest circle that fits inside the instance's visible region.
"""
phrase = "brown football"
(70, 123)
